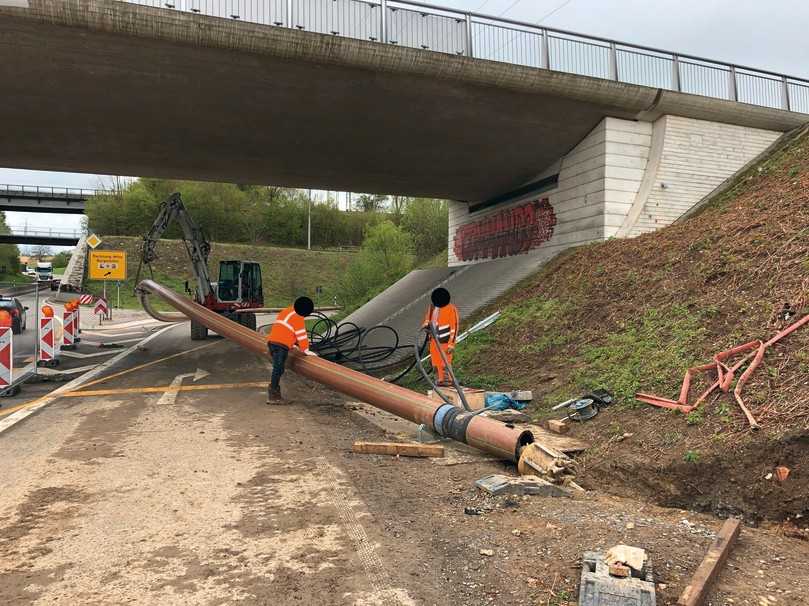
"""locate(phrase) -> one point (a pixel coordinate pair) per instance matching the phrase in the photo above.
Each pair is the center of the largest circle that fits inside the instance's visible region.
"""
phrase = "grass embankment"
(286, 272)
(632, 315)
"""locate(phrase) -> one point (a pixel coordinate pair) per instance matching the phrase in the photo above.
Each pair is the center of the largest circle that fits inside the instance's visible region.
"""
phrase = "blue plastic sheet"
(502, 401)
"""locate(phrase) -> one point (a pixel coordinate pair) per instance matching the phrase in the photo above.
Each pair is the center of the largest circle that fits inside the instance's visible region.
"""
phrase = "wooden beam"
(697, 590)
(398, 448)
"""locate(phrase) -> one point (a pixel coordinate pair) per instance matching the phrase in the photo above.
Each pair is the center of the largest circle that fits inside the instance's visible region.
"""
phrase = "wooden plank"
(398, 448)
(697, 590)
(565, 444)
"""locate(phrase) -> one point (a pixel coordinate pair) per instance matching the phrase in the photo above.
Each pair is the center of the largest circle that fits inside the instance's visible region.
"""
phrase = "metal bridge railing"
(434, 28)
(40, 190)
(44, 232)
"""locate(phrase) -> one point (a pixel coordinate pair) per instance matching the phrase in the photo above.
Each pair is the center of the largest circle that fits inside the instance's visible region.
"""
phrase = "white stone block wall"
(697, 156)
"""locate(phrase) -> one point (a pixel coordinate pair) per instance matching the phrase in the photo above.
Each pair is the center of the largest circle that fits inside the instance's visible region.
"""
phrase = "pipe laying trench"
(486, 434)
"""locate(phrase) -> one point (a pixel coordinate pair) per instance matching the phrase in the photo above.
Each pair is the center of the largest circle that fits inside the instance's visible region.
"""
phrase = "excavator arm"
(196, 243)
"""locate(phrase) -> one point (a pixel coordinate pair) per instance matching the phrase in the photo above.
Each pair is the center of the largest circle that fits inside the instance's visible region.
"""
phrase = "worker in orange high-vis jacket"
(288, 331)
(444, 316)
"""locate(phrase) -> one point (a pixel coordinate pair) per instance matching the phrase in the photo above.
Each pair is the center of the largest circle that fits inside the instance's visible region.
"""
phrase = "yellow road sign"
(107, 265)
(93, 241)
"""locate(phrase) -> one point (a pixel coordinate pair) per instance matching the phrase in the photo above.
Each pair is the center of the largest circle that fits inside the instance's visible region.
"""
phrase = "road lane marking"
(153, 362)
(173, 388)
(15, 414)
(76, 354)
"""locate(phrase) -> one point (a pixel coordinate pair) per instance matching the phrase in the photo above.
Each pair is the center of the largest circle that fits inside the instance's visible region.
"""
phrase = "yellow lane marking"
(47, 397)
(147, 364)
(163, 389)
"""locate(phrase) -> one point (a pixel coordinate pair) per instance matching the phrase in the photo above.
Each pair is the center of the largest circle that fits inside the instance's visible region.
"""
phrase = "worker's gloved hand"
(309, 352)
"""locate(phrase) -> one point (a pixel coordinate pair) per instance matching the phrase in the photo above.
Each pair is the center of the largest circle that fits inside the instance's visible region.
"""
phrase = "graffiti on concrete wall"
(508, 232)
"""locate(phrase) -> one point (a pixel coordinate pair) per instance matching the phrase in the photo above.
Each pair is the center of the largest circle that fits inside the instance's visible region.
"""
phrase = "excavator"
(234, 295)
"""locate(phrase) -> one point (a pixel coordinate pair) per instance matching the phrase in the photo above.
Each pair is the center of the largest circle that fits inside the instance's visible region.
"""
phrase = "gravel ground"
(212, 497)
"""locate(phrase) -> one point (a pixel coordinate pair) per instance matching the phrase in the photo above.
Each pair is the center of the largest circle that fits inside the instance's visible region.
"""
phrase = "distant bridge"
(35, 198)
(25, 234)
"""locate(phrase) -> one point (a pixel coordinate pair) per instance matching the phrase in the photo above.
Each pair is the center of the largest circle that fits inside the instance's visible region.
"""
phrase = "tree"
(386, 255)
(427, 221)
(9, 253)
(41, 251)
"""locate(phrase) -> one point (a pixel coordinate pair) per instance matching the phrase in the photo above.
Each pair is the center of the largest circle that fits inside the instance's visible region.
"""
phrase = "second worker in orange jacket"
(444, 315)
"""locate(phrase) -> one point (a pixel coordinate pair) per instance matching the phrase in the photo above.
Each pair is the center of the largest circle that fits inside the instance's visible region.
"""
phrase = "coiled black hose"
(345, 344)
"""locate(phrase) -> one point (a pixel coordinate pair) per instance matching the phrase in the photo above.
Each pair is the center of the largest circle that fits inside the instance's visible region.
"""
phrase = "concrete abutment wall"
(623, 179)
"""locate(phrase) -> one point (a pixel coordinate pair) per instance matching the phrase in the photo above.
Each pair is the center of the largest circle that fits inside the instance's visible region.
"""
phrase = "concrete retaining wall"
(694, 158)
(630, 177)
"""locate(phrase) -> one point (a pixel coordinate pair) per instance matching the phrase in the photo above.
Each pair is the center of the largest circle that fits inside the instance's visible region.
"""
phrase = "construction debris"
(599, 587)
(498, 484)
(540, 460)
(559, 426)
(697, 590)
(754, 351)
(398, 449)
(781, 473)
(634, 557)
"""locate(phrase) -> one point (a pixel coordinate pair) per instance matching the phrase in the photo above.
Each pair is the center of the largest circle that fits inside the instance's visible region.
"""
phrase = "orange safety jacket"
(445, 320)
(289, 329)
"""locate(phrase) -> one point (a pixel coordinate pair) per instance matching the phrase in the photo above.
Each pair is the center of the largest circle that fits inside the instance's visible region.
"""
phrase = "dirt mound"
(632, 315)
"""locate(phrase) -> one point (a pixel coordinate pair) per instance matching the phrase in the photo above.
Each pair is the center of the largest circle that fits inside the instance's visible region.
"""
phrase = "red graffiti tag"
(509, 232)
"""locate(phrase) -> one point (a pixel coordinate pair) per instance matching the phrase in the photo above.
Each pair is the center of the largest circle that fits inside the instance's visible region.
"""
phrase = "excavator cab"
(240, 282)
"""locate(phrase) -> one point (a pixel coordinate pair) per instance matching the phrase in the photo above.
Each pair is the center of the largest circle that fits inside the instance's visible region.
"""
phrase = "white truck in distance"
(45, 272)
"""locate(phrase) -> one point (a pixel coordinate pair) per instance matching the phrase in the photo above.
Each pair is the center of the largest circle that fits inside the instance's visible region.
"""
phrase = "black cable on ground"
(345, 344)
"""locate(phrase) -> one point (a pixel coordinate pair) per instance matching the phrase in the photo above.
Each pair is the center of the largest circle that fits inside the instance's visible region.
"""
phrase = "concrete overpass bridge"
(394, 97)
(27, 234)
(45, 199)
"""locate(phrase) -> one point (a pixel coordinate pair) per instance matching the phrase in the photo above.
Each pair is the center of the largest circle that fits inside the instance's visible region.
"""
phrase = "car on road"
(17, 310)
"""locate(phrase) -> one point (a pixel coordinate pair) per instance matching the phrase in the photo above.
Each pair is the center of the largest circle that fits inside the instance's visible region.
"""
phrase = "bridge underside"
(41, 204)
(108, 87)
(43, 240)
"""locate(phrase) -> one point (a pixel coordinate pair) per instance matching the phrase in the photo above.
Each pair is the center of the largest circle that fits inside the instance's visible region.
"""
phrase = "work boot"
(274, 396)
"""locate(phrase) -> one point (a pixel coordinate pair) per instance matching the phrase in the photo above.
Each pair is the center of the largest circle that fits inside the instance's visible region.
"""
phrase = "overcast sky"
(769, 35)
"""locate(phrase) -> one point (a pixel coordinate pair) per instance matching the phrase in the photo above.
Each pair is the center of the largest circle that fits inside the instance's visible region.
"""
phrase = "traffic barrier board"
(6, 356)
(46, 345)
(101, 307)
(107, 265)
(86, 299)
(69, 334)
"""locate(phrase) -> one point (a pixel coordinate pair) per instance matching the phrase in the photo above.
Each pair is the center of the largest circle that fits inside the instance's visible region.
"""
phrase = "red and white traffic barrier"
(85, 299)
(101, 308)
(69, 333)
(6, 357)
(48, 345)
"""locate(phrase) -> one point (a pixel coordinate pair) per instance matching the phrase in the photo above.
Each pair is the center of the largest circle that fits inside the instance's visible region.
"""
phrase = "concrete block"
(498, 484)
(599, 588)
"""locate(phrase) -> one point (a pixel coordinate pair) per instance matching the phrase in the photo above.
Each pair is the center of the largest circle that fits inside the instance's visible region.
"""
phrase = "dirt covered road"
(212, 497)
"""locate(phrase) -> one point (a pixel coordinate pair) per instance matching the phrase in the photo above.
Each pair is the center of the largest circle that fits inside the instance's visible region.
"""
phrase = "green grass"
(128, 298)
(645, 355)
(286, 272)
